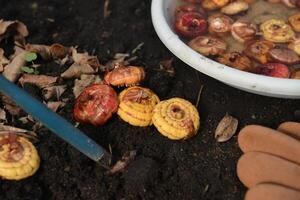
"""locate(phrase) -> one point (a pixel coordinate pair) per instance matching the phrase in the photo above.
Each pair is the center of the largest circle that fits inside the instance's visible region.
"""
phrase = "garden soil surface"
(198, 168)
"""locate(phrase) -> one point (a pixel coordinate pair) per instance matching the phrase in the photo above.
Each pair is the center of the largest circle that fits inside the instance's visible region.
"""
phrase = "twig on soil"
(106, 11)
(200, 90)
(199, 95)
(137, 48)
(76, 124)
(206, 188)
(110, 151)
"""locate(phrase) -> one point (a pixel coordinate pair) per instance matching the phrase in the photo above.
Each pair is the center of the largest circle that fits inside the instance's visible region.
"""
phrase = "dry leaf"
(126, 159)
(2, 115)
(17, 51)
(78, 57)
(17, 25)
(226, 128)
(51, 91)
(41, 81)
(3, 60)
(137, 48)
(29, 119)
(37, 126)
(10, 106)
(83, 64)
(26, 119)
(12, 71)
(55, 105)
(76, 69)
(84, 58)
(7, 28)
(84, 81)
(64, 61)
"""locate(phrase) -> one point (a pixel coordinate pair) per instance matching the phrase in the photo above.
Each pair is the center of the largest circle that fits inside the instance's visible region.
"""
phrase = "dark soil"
(198, 168)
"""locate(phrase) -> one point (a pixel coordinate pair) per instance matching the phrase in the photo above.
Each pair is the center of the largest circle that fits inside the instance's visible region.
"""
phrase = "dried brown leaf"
(94, 62)
(120, 166)
(77, 69)
(17, 51)
(84, 81)
(81, 57)
(12, 71)
(10, 106)
(2, 115)
(37, 126)
(29, 119)
(83, 64)
(65, 60)
(25, 119)
(55, 105)
(3, 60)
(226, 128)
(41, 81)
(13, 28)
(17, 25)
(51, 91)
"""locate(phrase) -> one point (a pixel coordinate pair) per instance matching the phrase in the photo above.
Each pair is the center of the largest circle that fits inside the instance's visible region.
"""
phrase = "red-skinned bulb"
(190, 24)
(96, 104)
(275, 70)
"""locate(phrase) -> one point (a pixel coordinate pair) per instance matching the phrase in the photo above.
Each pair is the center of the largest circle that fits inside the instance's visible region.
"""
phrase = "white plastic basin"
(162, 12)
